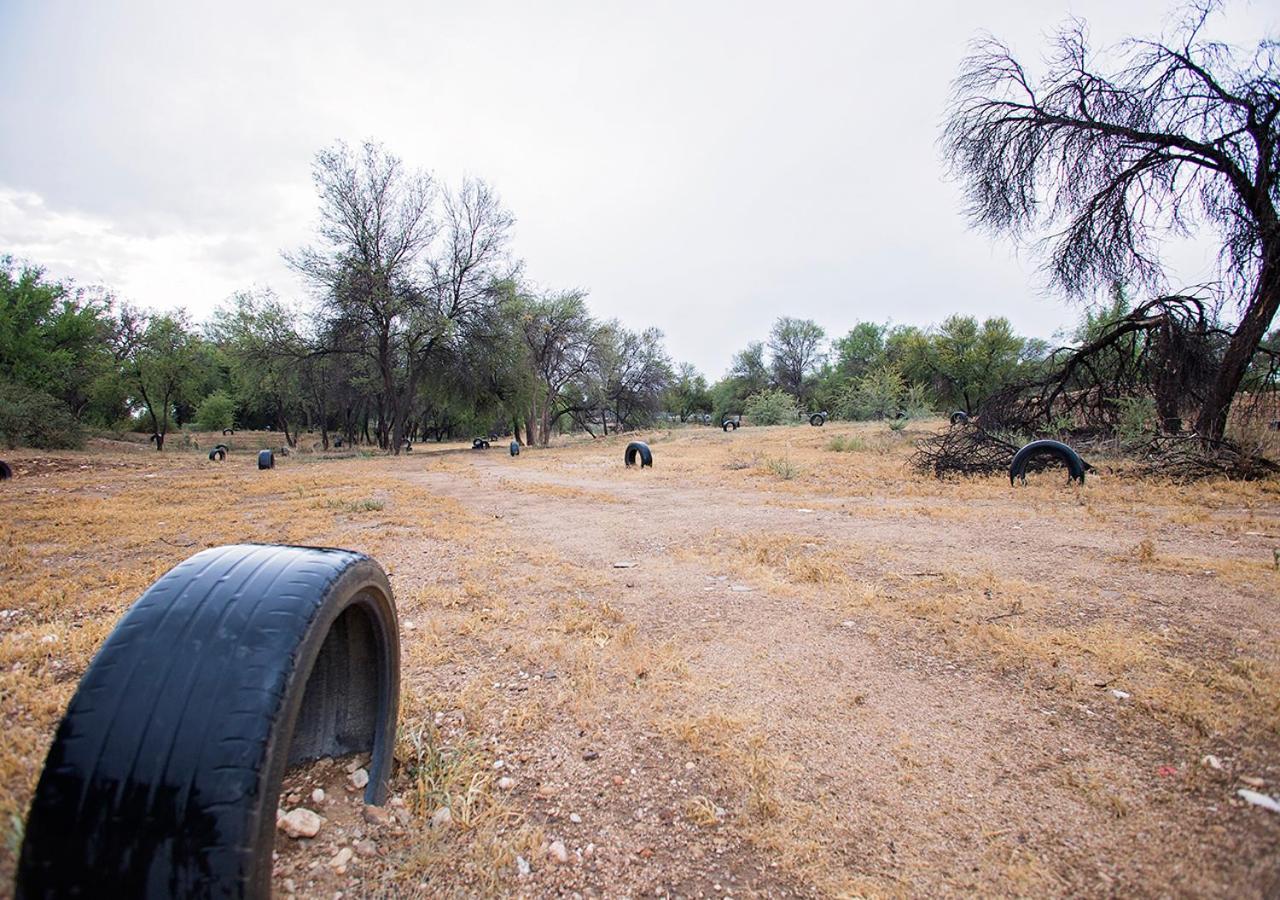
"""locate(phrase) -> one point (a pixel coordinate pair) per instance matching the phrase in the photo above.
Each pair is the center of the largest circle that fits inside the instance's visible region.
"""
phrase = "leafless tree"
(1099, 162)
(629, 373)
(376, 229)
(559, 337)
(795, 354)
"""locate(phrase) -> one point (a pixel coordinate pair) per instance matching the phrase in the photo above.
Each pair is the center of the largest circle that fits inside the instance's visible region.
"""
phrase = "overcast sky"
(702, 167)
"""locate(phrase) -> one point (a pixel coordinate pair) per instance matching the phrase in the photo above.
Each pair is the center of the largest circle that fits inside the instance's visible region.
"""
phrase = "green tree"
(878, 394)
(861, 350)
(688, 393)
(55, 338)
(260, 338)
(795, 353)
(772, 406)
(968, 362)
(165, 364)
(217, 412)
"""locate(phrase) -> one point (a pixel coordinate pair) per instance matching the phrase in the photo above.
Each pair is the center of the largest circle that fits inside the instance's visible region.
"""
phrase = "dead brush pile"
(1186, 458)
(965, 450)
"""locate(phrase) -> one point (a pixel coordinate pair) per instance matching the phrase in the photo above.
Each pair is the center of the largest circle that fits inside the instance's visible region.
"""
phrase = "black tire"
(155, 438)
(222, 447)
(165, 772)
(484, 445)
(641, 449)
(227, 431)
(6, 471)
(337, 442)
(217, 454)
(1075, 465)
(266, 459)
(515, 448)
(477, 444)
(959, 417)
(726, 425)
(817, 420)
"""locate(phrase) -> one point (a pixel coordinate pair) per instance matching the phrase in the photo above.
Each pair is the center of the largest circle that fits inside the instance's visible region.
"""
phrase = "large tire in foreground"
(165, 772)
(1075, 465)
(6, 471)
(641, 449)
(266, 459)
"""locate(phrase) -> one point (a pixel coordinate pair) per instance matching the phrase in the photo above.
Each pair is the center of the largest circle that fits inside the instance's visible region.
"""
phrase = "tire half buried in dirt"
(6, 471)
(1075, 465)
(217, 454)
(266, 459)
(165, 772)
(641, 449)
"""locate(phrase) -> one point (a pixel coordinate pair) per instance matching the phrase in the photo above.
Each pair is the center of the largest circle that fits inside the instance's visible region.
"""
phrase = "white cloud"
(703, 167)
(160, 269)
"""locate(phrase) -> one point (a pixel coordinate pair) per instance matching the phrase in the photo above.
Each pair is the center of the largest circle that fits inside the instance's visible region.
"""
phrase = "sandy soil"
(766, 667)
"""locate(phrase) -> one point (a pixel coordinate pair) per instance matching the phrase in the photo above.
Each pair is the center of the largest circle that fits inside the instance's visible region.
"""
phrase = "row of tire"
(266, 458)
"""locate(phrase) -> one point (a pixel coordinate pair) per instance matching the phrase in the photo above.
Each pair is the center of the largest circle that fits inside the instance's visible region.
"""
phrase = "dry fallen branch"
(1184, 458)
(965, 450)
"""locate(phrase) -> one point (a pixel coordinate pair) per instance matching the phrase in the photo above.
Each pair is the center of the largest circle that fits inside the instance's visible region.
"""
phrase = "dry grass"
(1161, 596)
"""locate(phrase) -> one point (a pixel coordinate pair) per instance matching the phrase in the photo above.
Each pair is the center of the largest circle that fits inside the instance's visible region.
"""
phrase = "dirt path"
(892, 759)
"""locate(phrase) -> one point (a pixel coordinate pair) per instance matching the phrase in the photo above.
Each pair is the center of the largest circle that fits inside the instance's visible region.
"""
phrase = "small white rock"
(506, 783)
(358, 779)
(575, 818)
(523, 867)
(1211, 761)
(317, 796)
(441, 818)
(558, 852)
(498, 764)
(299, 823)
(340, 860)
(1119, 694)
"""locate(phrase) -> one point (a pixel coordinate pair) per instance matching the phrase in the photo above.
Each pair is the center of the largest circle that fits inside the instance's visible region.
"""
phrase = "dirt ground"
(777, 663)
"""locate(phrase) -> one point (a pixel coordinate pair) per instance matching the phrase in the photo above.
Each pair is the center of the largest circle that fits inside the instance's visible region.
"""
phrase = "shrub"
(1135, 417)
(771, 407)
(876, 395)
(915, 402)
(782, 466)
(36, 419)
(841, 444)
(216, 413)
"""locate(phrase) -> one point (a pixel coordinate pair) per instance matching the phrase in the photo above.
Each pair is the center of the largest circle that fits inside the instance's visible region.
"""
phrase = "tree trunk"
(1212, 423)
